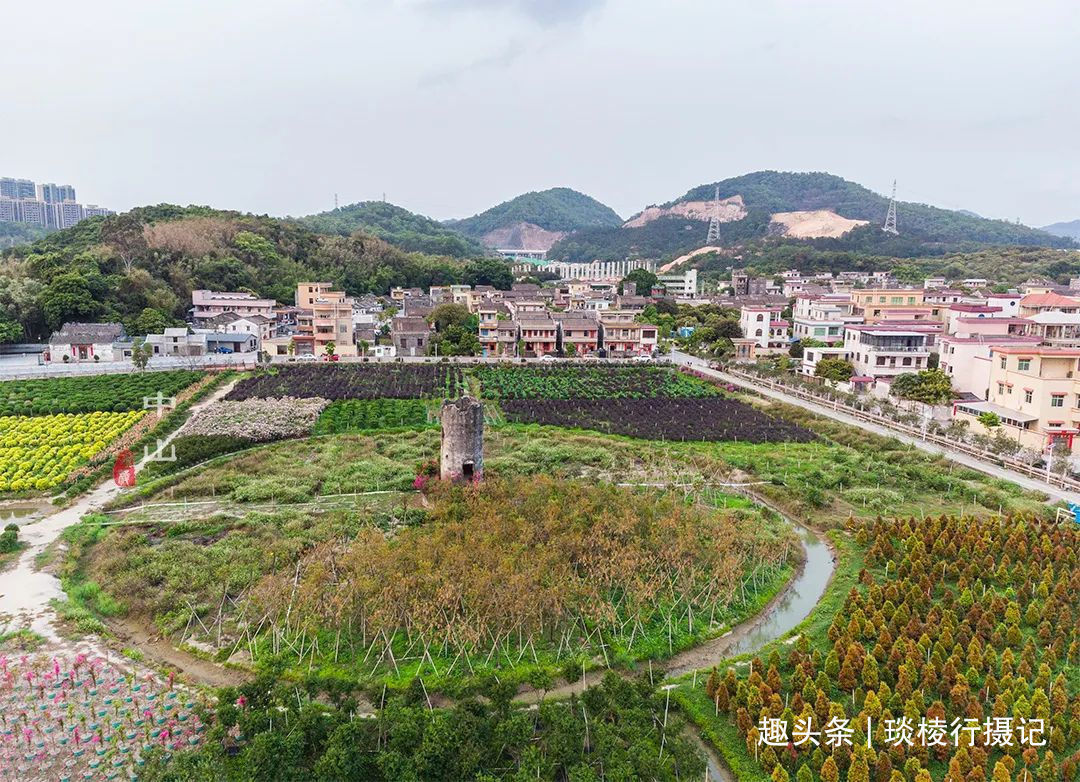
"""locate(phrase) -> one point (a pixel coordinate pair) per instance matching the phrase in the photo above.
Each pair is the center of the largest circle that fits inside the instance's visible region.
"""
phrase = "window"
(910, 299)
(759, 317)
(897, 300)
(1027, 395)
(881, 300)
(1057, 400)
(1023, 364)
(1001, 388)
(1004, 361)
(907, 361)
(881, 361)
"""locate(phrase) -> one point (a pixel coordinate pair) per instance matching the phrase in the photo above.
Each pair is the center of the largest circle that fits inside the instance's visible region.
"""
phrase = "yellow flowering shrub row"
(38, 453)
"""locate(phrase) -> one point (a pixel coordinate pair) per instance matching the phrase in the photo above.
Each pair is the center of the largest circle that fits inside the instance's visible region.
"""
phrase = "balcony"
(895, 348)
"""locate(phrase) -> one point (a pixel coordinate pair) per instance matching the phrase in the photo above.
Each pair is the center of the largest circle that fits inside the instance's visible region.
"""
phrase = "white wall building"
(681, 286)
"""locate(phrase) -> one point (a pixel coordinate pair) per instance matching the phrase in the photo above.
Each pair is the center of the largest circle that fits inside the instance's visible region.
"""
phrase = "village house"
(77, 342)
(410, 335)
(577, 330)
(209, 304)
(326, 317)
(882, 352)
(538, 333)
(1035, 392)
(622, 336)
(764, 324)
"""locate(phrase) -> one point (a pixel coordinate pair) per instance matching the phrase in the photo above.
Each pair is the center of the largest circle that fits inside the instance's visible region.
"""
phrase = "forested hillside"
(1004, 265)
(558, 209)
(140, 267)
(12, 234)
(924, 230)
(404, 229)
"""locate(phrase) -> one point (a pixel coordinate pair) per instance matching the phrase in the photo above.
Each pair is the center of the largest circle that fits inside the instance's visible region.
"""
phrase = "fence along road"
(1059, 490)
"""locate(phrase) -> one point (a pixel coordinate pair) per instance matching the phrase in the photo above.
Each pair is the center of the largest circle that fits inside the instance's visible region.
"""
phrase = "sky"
(450, 106)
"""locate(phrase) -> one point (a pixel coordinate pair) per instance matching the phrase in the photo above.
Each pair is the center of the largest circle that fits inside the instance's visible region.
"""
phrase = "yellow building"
(326, 316)
(877, 304)
(1035, 391)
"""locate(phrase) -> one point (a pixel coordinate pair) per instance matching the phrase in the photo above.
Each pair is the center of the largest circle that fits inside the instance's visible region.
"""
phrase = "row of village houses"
(1015, 354)
(578, 318)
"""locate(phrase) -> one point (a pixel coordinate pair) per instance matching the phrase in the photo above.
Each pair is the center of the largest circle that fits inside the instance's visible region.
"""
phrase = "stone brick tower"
(461, 457)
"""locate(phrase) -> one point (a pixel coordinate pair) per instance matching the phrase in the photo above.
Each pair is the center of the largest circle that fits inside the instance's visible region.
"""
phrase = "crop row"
(353, 381)
(114, 393)
(588, 381)
(355, 415)
(38, 453)
(712, 418)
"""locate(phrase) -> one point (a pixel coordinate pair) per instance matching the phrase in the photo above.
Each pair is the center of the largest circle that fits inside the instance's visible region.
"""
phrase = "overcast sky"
(450, 106)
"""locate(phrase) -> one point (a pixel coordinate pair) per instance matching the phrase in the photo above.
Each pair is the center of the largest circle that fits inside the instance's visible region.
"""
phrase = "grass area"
(23, 640)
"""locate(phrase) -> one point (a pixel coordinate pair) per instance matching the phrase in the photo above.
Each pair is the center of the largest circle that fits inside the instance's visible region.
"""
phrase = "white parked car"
(643, 357)
(547, 357)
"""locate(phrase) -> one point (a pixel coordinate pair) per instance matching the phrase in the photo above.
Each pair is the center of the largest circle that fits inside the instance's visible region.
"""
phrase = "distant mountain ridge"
(397, 226)
(810, 206)
(1070, 229)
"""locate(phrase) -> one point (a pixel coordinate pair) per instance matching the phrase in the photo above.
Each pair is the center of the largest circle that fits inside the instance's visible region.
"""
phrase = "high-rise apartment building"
(50, 205)
(64, 214)
(56, 194)
(17, 188)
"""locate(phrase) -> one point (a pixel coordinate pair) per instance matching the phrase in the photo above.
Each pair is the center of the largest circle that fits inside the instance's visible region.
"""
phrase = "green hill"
(558, 209)
(12, 234)
(924, 229)
(140, 267)
(400, 227)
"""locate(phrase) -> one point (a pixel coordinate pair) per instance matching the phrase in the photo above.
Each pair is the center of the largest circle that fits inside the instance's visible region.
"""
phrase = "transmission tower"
(714, 221)
(890, 218)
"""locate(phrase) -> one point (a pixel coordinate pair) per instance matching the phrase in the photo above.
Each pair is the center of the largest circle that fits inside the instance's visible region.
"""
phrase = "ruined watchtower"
(461, 456)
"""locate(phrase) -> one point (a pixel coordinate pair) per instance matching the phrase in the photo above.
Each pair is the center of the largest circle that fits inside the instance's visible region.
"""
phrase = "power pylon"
(890, 218)
(714, 221)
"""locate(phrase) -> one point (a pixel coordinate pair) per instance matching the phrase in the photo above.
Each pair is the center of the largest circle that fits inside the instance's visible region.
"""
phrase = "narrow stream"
(786, 612)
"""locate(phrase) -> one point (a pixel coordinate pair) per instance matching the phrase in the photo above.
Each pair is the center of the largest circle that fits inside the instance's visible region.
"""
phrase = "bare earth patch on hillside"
(522, 236)
(820, 223)
(731, 209)
(670, 265)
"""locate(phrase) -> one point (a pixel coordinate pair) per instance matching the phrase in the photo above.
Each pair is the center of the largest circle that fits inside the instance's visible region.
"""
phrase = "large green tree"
(835, 369)
(930, 386)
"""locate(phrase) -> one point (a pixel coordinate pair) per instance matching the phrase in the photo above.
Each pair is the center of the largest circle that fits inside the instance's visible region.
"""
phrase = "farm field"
(705, 418)
(358, 415)
(588, 381)
(38, 452)
(111, 393)
(353, 381)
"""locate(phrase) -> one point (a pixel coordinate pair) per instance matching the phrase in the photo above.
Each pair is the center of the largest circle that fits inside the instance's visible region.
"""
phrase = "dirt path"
(25, 591)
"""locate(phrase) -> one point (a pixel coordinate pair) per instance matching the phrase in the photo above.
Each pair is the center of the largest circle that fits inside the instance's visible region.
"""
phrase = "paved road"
(1054, 493)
